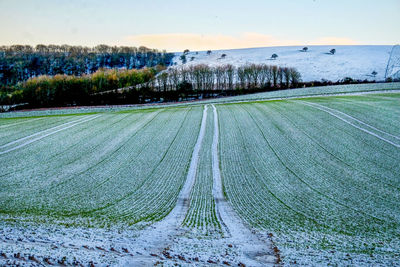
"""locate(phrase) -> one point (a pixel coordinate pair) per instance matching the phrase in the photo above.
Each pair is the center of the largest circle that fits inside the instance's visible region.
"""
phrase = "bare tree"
(286, 75)
(174, 78)
(219, 72)
(162, 80)
(274, 75)
(184, 72)
(280, 77)
(230, 75)
(265, 77)
(241, 75)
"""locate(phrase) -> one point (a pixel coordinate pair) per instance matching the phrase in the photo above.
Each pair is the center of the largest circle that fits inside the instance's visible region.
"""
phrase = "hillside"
(357, 62)
(309, 181)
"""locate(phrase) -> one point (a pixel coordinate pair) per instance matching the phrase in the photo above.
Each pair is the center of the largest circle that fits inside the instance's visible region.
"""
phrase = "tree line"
(227, 77)
(21, 62)
(121, 86)
(99, 87)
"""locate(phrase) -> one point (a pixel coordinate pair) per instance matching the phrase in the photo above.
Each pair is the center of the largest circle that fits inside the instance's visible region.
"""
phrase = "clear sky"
(198, 25)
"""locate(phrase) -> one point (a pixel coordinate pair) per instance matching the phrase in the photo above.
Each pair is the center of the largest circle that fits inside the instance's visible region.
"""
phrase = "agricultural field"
(323, 175)
(309, 181)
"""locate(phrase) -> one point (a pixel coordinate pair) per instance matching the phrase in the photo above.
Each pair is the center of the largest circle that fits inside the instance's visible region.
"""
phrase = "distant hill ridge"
(361, 62)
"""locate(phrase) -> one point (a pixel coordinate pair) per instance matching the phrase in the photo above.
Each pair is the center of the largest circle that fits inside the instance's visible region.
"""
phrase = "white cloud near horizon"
(179, 41)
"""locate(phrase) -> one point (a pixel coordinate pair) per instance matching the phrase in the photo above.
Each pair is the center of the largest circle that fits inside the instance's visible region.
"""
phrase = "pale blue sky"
(175, 24)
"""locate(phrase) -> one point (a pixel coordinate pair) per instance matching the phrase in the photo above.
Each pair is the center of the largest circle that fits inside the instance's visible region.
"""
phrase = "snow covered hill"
(355, 61)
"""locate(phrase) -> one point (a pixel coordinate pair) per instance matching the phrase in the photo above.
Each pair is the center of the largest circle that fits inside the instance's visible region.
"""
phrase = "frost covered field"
(355, 61)
(307, 181)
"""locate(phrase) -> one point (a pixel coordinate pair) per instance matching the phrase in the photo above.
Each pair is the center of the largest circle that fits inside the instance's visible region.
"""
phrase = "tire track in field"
(308, 184)
(157, 236)
(357, 120)
(256, 251)
(41, 132)
(47, 161)
(338, 158)
(67, 126)
(327, 110)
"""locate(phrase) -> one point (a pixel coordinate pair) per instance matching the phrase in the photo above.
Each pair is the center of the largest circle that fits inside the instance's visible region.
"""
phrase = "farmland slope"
(307, 180)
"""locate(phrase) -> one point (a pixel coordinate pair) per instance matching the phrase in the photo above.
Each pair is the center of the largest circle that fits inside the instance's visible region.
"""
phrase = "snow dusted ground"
(355, 61)
(355, 138)
(165, 242)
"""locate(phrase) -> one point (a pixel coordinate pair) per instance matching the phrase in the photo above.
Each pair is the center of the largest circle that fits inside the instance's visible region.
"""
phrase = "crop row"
(126, 167)
(290, 168)
(201, 216)
(19, 130)
(379, 112)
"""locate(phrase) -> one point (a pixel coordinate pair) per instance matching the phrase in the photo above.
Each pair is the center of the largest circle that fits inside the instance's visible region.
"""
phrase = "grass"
(313, 180)
(321, 174)
(95, 171)
(201, 215)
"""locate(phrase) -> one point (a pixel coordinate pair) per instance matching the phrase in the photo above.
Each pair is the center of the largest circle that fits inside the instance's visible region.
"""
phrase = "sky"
(176, 25)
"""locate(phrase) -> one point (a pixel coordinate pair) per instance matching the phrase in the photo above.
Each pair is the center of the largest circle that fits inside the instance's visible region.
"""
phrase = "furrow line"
(304, 179)
(333, 155)
(357, 120)
(111, 149)
(48, 134)
(140, 183)
(256, 251)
